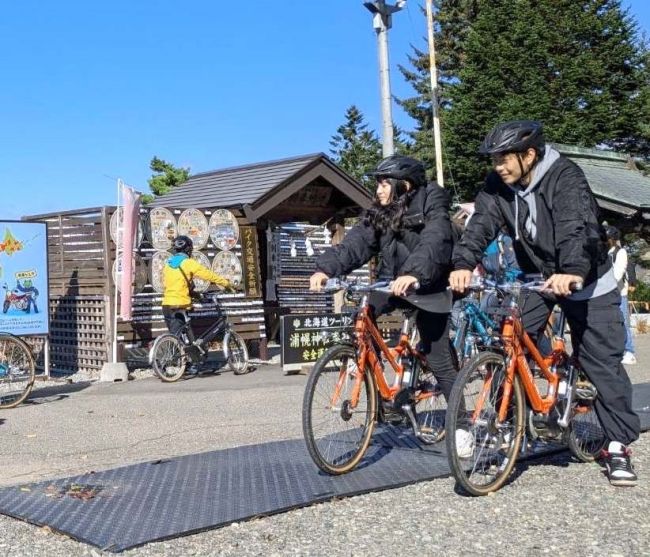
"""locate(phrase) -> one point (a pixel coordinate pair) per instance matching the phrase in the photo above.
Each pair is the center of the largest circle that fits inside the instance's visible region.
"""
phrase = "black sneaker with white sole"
(619, 468)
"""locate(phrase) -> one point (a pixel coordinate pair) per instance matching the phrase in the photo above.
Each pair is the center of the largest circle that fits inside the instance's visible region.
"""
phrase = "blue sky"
(92, 90)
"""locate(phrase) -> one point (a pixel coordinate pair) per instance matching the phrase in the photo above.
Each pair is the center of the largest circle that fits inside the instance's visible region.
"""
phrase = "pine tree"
(166, 176)
(356, 149)
(576, 65)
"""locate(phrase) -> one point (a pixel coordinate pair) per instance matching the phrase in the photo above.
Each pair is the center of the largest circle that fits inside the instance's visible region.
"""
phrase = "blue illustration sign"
(23, 278)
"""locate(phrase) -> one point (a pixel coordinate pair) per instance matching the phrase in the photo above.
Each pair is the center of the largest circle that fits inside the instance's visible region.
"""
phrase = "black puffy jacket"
(422, 248)
(569, 238)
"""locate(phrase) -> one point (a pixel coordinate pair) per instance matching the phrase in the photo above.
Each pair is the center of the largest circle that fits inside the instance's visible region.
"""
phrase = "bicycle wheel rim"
(16, 371)
(336, 434)
(586, 436)
(169, 360)
(430, 409)
(473, 408)
(236, 353)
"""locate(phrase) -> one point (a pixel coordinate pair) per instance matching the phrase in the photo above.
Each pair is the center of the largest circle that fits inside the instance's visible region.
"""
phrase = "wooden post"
(338, 233)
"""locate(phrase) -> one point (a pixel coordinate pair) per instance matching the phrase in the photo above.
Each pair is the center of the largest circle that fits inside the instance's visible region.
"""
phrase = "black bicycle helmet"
(514, 137)
(183, 244)
(400, 167)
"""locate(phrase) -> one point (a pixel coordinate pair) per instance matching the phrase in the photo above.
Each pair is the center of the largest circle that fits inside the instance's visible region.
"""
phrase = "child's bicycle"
(17, 370)
(496, 405)
(348, 390)
(171, 354)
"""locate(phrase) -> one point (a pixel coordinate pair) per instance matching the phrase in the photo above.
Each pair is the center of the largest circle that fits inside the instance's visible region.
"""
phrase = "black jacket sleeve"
(483, 227)
(432, 256)
(575, 219)
(356, 249)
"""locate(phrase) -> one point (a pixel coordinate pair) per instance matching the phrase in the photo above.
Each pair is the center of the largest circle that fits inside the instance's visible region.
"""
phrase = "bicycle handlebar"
(535, 285)
(335, 285)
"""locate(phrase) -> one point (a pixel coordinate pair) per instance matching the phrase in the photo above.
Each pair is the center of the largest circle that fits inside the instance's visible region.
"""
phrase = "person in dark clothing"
(408, 227)
(546, 204)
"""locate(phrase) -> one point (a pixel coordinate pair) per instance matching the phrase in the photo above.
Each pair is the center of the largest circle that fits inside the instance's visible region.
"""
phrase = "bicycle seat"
(437, 302)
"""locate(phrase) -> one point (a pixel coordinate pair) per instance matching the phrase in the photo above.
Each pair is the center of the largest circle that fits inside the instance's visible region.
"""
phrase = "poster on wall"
(23, 278)
(193, 223)
(224, 230)
(226, 264)
(162, 228)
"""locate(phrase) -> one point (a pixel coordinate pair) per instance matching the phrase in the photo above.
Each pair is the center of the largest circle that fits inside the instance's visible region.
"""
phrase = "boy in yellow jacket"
(179, 270)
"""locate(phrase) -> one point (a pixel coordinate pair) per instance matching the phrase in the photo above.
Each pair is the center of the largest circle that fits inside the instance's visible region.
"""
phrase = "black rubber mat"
(130, 506)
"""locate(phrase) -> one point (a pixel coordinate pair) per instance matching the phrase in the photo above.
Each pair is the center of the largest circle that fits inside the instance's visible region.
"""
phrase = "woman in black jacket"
(408, 227)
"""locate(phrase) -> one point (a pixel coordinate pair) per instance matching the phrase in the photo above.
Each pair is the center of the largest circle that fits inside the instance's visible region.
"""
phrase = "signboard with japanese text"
(250, 260)
(24, 278)
(304, 338)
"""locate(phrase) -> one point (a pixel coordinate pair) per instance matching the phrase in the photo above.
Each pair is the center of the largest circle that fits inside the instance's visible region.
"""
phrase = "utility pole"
(382, 21)
(434, 95)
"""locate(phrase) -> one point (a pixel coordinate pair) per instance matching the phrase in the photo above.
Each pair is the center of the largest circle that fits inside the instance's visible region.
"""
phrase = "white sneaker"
(464, 443)
(628, 359)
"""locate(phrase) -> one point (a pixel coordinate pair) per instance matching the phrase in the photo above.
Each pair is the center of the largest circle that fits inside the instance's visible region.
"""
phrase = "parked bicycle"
(17, 370)
(350, 389)
(171, 354)
(497, 406)
(473, 328)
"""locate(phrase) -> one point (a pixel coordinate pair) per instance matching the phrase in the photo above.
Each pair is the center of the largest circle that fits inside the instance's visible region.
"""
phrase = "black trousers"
(174, 319)
(598, 339)
(435, 345)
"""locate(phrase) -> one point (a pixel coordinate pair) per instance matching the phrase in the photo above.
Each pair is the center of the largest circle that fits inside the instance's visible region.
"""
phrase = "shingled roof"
(250, 185)
(615, 181)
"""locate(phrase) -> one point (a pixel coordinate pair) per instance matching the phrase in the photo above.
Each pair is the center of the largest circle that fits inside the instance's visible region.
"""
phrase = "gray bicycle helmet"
(183, 244)
(516, 136)
(400, 167)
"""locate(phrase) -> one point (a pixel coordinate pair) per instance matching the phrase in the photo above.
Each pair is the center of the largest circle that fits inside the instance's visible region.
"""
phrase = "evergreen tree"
(166, 176)
(356, 149)
(576, 65)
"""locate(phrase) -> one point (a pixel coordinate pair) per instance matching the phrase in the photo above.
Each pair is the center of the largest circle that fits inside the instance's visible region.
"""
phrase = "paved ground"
(555, 506)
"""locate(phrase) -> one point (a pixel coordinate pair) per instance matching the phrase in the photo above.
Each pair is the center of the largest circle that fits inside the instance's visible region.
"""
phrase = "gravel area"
(552, 506)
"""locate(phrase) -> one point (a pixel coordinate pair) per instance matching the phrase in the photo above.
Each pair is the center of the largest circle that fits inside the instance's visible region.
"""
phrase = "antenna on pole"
(434, 95)
(382, 21)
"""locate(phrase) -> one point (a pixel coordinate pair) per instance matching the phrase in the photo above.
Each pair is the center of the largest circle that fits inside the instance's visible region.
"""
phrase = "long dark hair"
(389, 217)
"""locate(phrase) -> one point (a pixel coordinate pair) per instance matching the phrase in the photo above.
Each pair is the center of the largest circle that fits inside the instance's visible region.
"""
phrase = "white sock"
(615, 447)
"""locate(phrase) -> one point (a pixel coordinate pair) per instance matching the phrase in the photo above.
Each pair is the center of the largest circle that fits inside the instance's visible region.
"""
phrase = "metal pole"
(118, 245)
(388, 147)
(382, 22)
(434, 95)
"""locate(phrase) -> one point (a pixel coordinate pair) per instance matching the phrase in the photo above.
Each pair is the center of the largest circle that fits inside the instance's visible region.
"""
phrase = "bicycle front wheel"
(338, 411)
(168, 358)
(236, 352)
(482, 450)
(17, 371)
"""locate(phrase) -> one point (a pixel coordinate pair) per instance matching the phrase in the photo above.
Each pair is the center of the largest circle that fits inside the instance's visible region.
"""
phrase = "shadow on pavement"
(55, 392)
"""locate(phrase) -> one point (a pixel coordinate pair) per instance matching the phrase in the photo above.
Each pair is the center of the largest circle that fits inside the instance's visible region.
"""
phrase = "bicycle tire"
(586, 438)
(235, 352)
(430, 407)
(498, 448)
(168, 349)
(18, 370)
(334, 455)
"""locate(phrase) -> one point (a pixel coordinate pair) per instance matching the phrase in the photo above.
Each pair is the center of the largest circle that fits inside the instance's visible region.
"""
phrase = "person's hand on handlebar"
(563, 285)
(400, 285)
(317, 280)
(460, 280)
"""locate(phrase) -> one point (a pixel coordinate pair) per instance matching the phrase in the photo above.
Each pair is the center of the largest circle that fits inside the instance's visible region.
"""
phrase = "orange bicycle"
(498, 407)
(350, 389)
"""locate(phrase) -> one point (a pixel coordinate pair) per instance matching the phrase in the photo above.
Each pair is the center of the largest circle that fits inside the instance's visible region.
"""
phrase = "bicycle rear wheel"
(430, 408)
(168, 358)
(236, 352)
(17, 371)
(338, 431)
(586, 437)
(482, 452)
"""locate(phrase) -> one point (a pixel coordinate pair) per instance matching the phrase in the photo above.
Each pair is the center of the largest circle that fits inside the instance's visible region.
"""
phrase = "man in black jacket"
(545, 202)
(408, 227)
